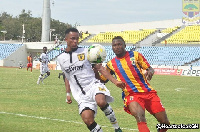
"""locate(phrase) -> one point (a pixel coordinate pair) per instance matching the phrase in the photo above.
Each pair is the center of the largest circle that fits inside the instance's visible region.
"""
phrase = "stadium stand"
(83, 36)
(169, 30)
(7, 49)
(188, 35)
(53, 53)
(172, 56)
(129, 36)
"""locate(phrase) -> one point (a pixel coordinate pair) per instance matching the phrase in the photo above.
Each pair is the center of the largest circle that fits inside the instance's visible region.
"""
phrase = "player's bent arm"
(99, 77)
(106, 74)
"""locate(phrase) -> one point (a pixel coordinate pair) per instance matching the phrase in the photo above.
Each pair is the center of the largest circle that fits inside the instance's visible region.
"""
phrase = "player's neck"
(121, 55)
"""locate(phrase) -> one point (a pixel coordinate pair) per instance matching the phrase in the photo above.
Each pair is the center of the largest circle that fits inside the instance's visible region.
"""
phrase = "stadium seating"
(129, 36)
(169, 30)
(83, 36)
(8, 49)
(188, 35)
(53, 53)
(170, 55)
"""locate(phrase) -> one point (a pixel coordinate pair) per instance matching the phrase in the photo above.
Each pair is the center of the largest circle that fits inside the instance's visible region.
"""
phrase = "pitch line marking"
(61, 120)
(178, 89)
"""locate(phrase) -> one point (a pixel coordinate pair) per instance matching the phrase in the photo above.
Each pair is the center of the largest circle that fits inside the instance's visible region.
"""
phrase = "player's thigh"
(136, 109)
(154, 105)
(99, 88)
(87, 105)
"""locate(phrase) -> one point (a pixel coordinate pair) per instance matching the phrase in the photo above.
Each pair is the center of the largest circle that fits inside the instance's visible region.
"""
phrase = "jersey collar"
(72, 50)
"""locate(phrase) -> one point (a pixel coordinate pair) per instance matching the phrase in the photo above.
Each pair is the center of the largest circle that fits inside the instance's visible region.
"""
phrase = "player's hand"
(120, 84)
(149, 73)
(68, 100)
(97, 66)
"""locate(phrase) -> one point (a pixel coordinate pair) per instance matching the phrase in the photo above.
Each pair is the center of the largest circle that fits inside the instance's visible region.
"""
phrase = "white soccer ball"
(96, 53)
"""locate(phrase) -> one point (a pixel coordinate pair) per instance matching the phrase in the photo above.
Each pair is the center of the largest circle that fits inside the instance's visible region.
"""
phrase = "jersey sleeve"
(143, 63)
(109, 70)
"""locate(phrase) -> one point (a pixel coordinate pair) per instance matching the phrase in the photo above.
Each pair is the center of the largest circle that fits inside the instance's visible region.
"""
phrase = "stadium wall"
(20, 55)
(95, 29)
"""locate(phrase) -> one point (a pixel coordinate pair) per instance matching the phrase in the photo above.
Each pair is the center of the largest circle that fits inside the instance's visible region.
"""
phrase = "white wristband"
(68, 94)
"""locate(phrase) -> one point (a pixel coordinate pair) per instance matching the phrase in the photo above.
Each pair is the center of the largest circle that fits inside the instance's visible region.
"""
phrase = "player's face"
(118, 47)
(45, 50)
(72, 40)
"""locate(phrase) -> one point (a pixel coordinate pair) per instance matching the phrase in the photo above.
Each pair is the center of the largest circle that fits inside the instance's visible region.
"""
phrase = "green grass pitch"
(28, 107)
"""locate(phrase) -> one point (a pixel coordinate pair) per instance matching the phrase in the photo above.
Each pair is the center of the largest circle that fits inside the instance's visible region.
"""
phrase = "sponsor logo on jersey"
(102, 89)
(81, 57)
(74, 68)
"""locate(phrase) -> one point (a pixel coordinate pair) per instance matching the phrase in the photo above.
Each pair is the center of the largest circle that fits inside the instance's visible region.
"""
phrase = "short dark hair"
(118, 37)
(71, 30)
(44, 47)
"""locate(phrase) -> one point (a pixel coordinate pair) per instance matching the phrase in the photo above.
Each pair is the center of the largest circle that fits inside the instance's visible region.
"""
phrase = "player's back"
(29, 58)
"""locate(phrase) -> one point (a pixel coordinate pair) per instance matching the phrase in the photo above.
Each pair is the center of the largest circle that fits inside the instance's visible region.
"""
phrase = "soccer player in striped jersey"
(80, 80)
(128, 66)
(29, 59)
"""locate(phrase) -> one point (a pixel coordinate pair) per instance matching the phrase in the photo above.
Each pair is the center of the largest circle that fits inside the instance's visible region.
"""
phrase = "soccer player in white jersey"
(81, 82)
(44, 59)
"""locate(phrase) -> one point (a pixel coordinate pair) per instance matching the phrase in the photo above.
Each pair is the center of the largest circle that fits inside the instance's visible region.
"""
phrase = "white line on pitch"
(46, 118)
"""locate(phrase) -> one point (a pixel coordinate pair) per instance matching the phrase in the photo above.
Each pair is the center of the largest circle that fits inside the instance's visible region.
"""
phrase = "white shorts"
(88, 100)
(44, 69)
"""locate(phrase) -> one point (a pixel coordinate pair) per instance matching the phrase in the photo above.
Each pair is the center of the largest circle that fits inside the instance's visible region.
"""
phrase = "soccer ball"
(96, 54)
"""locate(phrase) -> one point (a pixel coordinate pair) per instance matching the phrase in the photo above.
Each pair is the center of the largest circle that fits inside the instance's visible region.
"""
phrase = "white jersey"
(45, 59)
(44, 63)
(78, 71)
(83, 84)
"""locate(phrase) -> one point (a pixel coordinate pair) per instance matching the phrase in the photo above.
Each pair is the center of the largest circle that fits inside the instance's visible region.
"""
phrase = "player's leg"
(107, 109)
(39, 78)
(139, 113)
(47, 71)
(155, 107)
(87, 116)
(31, 67)
(48, 74)
(27, 67)
(59, 75)
(162, 119)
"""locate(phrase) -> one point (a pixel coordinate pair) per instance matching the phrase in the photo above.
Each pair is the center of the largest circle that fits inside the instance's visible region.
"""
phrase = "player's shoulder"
(82, 49)
(62, 55)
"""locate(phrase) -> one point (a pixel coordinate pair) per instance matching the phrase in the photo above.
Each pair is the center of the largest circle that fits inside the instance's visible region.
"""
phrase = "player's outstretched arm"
(68, 90)
(106, 74)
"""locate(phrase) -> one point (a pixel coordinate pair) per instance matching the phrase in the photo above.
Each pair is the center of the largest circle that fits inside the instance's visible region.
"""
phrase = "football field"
(28, 107)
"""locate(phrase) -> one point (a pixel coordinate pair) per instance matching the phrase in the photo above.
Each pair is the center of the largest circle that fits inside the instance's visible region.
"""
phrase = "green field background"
(28, 107)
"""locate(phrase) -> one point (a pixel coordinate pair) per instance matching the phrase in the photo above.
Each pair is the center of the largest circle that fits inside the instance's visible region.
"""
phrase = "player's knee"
(48, 73)
(139, 116)
(87, 119)
(101, 103)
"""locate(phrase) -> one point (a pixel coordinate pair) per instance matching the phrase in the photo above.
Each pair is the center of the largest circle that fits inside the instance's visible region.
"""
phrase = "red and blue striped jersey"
(129, 69)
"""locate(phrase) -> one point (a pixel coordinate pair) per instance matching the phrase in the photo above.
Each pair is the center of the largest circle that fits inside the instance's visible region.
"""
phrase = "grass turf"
(26, 106)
